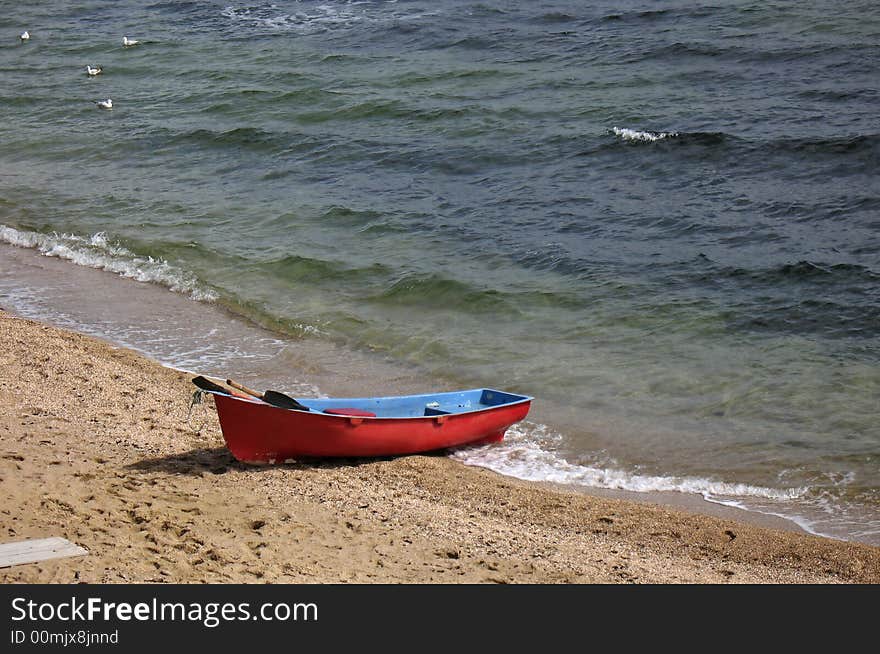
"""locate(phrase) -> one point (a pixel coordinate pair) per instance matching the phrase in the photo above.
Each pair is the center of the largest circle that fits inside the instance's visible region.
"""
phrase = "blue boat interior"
(413, 406)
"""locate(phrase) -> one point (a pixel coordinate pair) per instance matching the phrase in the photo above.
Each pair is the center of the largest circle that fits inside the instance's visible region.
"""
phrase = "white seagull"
(25, 36)
(127, 41)
(97, 70)
(105, 104)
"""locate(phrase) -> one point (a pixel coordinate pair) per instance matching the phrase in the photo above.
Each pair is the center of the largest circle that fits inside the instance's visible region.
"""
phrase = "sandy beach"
(97, 445)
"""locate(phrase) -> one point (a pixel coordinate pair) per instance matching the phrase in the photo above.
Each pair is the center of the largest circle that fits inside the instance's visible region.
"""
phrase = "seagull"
(105, 104)
(94, 71)
(25, 36)
(127, 41)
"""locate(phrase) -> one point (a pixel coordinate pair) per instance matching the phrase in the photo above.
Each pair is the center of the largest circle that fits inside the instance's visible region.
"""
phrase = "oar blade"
(207, 385)
(283, 401)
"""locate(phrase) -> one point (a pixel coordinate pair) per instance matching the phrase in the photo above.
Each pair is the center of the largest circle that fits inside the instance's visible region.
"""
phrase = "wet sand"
(97, 446)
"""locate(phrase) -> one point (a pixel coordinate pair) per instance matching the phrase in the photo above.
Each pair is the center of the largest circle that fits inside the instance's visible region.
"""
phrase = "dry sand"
(96, 447)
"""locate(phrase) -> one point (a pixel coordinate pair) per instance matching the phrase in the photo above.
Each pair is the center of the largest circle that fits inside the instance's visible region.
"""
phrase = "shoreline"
(692, 503)
(95, 447)
(124, 312)
(339, 372)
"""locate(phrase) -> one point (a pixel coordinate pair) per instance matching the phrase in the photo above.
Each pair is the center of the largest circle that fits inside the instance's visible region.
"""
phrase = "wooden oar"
(271, 397)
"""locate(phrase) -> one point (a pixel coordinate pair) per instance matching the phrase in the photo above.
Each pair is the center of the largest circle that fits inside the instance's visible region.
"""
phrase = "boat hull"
(258, 432)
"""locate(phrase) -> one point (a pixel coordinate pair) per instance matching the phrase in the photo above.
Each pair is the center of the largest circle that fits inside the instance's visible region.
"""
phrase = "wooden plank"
(37, 549)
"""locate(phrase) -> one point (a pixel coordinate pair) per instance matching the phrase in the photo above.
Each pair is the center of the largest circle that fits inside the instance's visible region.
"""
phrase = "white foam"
(526, 453)
(97, 252)
(320, 17)
(821, 516)
(530, 452)
(167, 327)
(636, 135)
(801, 521)
(309, 329)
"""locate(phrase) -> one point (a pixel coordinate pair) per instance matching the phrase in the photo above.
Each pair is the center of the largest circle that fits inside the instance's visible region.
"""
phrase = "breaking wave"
(628, 134)
(97, 251)
(521, 455)
(310, 19)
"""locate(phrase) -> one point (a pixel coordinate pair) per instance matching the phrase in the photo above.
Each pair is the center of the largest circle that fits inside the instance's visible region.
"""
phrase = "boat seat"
(350, 412)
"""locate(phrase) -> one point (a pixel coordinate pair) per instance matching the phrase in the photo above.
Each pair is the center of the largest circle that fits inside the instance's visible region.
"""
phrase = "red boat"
(257, 431)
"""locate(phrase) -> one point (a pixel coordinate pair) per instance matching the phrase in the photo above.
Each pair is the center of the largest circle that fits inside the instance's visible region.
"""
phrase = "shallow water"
(662, 223)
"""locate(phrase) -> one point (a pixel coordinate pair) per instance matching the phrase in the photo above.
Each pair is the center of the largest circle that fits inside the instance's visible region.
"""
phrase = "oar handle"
(247, 390)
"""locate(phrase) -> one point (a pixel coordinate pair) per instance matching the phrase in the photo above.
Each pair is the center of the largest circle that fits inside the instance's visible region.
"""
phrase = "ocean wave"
(348, 217)
(386, 108)
(679, 51)
(640, 15)
(839, 95)
(429, 78)
(835, 300)
(97, 251)
(814, 271)
(252, 138)
(433, 290)
(689, 144)
(802, 210)
(525, 454)
(304, 269)
(852, 144)
(319, 17)
(554, 17)
(628, 134)
(859, 148)
(821, 514)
